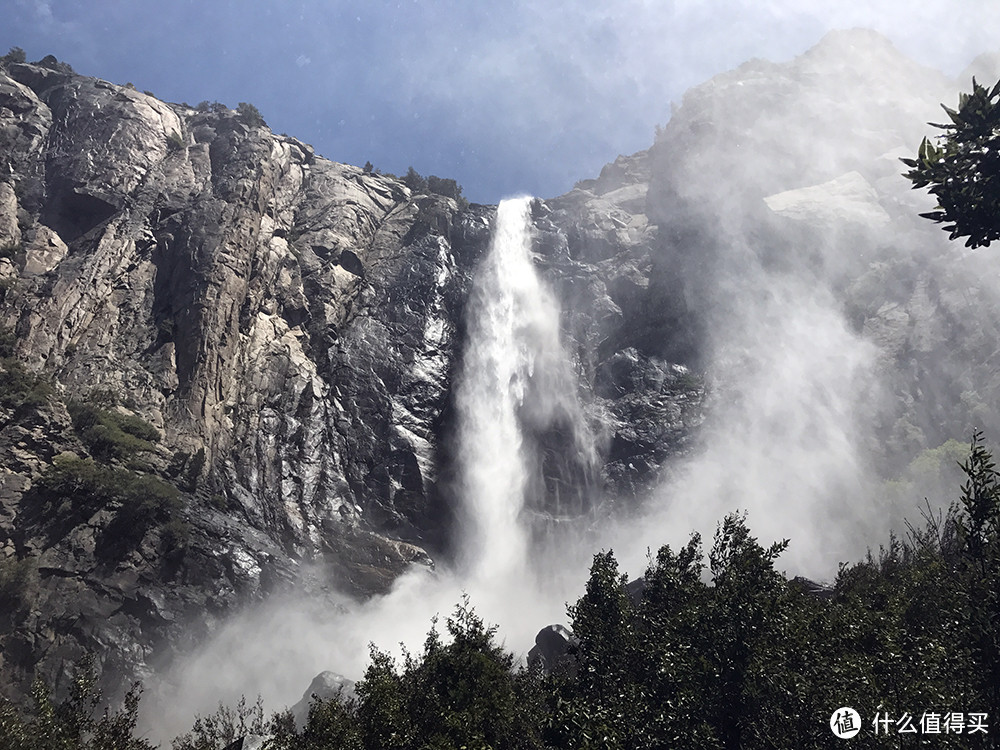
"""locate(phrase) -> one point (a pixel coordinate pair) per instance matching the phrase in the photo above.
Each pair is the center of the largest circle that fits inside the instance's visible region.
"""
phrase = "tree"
(463, 693)
(15, 55)
(744, 619)
(979, 533)
(597, 709)
(74, 724)
(444, 186)
(250, 114)
(224, 727)
(415, 181)
(962, 169)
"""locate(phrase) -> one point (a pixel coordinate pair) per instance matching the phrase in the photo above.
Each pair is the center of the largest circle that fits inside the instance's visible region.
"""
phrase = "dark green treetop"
(961, 168)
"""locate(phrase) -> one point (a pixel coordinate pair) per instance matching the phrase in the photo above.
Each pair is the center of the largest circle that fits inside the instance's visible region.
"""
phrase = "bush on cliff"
(73, 724)
(14, 55)
(110, 434)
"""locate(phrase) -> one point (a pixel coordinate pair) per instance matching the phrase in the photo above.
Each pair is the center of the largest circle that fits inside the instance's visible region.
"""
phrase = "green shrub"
(145, 502)
(250, 114)
(224, 727)
(18, 387)
(175, 534)
(444, 186)
(70, 491)
(111, 434)
(15, 55)
(17, 582)
(415, 181)
(219, 501)
(74, 724)
(73, 489)
(433, 184)
(175, 141)
(960, 169)
(331, 723)
(462, 693)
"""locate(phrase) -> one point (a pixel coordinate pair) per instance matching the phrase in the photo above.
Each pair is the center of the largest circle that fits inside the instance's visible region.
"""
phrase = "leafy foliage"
(76, 723)
(433, 184)
(73, 489)
(978, 531)
(250, 114)
(464, 693)
(415, 181)
(111, 434)
(717, 653)
(755, 660)
(962, 170)
(225, 726)
(18, 387)
(14, 55)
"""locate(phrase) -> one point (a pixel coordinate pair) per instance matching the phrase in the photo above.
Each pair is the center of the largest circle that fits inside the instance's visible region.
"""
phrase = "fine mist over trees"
(744, 659)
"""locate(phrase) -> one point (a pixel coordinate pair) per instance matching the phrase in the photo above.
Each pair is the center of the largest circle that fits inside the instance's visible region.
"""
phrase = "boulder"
(325, 685)
(552, 651)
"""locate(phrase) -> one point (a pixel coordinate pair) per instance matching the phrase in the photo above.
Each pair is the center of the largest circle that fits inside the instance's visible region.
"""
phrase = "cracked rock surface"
(289, 328)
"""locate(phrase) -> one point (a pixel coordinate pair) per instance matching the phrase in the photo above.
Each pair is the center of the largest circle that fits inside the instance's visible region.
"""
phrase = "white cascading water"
(513, 360)
(515, 381)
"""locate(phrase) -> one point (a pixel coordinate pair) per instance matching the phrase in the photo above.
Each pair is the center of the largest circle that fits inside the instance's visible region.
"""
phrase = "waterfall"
(514, 391)
(514, 378)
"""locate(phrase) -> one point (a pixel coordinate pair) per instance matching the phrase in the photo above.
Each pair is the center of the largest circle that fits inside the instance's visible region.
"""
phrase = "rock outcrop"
(287, 325)
(325, 685)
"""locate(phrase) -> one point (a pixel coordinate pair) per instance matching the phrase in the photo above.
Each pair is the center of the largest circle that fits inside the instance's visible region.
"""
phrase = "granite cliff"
(256, 347)
(284, 330)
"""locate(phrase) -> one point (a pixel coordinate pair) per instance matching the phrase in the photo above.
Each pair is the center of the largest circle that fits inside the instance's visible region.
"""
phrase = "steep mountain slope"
(229, 364)
(778, 175)
(230, 360)
(285, 324)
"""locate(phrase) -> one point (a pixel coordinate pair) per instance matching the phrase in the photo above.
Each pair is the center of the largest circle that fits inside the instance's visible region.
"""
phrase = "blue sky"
(508, 96)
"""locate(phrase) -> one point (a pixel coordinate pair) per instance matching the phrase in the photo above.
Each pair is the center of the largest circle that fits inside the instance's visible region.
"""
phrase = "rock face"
(287, 329)
(553, 649)
(325, 685)
(289, 321)
(226, 359)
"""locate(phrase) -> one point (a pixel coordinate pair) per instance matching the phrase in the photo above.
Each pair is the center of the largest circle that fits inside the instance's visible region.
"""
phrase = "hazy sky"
(506, 96)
